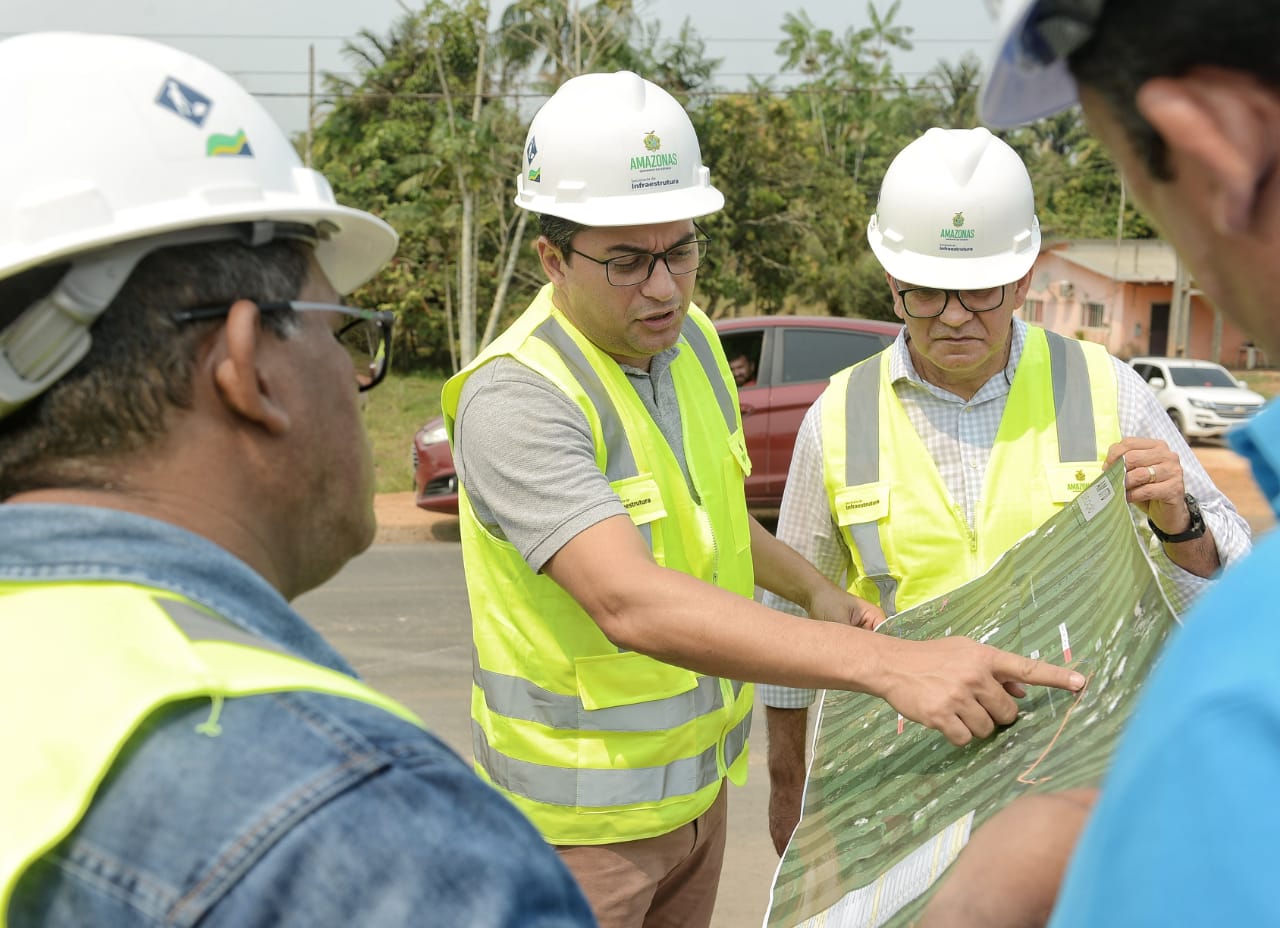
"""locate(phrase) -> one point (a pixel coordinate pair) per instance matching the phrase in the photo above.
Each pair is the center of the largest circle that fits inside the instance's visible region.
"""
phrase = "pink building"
(1122, 295)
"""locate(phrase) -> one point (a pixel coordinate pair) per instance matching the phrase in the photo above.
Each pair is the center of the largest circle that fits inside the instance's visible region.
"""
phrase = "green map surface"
(889, 803)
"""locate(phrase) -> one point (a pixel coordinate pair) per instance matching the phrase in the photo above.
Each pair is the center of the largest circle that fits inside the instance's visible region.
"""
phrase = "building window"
(1093, 315)
(1034, 310)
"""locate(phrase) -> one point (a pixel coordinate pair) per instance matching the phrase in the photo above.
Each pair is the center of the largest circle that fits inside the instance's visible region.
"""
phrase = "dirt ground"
(401, 522)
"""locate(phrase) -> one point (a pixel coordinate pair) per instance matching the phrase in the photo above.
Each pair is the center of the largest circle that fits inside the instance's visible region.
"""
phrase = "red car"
(782, 363)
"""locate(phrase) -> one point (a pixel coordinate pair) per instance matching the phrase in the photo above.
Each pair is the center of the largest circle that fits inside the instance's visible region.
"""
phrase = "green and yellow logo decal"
(957, 230)
(223, 146)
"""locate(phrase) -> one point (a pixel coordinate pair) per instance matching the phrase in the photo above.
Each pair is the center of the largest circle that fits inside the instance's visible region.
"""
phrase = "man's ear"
(1020, 288)
(240, 374)
(1221, 124)
(552, 260)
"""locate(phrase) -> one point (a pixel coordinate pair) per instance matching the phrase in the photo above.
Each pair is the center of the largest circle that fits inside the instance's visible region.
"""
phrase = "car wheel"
(1179, 424)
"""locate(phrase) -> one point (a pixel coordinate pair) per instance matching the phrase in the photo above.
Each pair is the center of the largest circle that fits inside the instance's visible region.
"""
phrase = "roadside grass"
(1261, 380)
(393, 412)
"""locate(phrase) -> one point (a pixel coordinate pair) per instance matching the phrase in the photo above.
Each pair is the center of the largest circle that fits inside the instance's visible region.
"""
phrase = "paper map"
(889, 803)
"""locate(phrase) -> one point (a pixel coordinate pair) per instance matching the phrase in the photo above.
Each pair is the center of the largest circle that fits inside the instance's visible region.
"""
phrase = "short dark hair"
(1136, 40)
(140, 364)
(559, 232)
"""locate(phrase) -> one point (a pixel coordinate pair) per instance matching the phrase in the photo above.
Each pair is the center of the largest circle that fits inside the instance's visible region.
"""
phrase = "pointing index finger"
(1013, 667)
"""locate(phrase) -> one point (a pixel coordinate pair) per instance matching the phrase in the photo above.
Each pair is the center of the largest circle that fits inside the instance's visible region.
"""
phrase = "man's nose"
(954, 314)
(661, 284)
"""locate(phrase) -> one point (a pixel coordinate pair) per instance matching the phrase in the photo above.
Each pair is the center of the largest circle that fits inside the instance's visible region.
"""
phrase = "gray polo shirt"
(524, 453)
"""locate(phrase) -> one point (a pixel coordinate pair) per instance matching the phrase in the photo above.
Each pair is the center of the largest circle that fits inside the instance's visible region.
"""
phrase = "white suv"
(1201, 397)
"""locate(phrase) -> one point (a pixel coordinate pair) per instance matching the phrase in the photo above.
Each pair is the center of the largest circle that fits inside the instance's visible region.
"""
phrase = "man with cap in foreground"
(1187, 98)
(610, 558)
(181, 454)
(916, 469)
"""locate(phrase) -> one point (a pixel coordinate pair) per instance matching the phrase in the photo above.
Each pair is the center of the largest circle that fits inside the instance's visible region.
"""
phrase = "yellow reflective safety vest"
(93, 660)
(908, 540)
(593, 744)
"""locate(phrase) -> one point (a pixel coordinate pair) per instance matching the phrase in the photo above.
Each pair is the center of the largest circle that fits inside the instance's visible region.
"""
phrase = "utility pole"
(311, 101)
(1180, 310)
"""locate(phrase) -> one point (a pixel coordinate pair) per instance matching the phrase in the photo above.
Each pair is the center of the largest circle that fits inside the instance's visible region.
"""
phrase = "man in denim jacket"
(181, 454)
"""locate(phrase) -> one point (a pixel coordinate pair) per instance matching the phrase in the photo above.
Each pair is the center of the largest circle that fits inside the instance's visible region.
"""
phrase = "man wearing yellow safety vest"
(181, 453)
(977, 426)
(610, 558)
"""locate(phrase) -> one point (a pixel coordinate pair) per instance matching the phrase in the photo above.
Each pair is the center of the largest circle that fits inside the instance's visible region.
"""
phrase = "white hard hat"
(1027, 77)
(116, 140)
(956, 211)
(614, 150)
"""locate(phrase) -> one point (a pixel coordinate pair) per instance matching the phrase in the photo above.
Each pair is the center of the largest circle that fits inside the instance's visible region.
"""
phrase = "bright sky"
(264, 43)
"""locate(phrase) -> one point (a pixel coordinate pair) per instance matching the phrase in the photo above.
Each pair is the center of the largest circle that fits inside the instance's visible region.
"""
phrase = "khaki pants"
(665, 882)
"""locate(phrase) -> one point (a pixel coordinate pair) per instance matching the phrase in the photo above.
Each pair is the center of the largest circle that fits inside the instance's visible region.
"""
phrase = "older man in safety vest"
(917, 468)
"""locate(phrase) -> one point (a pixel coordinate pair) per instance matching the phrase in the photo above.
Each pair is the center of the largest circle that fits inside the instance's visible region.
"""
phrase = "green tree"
(791, 213)
(948, 94)
(559, 39)
(1077, 186)
(422, 140)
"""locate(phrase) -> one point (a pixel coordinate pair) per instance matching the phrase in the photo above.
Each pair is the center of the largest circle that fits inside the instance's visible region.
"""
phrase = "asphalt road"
(399, 613)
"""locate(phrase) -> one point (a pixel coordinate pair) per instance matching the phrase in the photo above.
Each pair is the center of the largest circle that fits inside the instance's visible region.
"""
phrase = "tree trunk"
(467, 275)
(504, 282)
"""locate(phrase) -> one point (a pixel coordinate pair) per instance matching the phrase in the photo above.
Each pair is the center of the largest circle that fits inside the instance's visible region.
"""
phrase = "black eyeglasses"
(367, 337)
(927, 302)
(629, 270)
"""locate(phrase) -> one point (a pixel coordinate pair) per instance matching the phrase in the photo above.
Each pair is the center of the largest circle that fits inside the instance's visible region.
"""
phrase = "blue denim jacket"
(307, 809)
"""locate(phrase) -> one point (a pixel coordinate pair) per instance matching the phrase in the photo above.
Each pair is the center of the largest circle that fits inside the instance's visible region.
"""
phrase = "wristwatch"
(1195, 530)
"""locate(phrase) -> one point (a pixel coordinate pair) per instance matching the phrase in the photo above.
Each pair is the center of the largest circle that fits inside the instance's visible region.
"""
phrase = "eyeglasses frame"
(701, 238)
(946, 301)
(384, 319)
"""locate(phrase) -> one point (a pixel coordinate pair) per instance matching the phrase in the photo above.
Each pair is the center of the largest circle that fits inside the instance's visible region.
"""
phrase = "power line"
(228, 36)
(322, 37)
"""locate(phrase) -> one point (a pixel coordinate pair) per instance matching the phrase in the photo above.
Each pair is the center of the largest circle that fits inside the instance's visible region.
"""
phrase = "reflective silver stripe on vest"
(517, 698)
(620, 460)
(199, 625)
(706, 356)
(1073, 416)
(1073, 409)
(588, 788)
(862, 465)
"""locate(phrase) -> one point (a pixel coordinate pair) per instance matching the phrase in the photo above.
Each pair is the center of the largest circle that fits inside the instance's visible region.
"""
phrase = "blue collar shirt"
(1186, 824)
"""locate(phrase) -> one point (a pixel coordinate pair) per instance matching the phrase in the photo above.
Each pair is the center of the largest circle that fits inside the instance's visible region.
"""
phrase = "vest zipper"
(715, 544)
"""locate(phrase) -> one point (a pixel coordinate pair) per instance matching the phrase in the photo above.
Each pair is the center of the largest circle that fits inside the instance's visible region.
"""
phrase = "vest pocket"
(735, 469)
(866, 502)
(641, 497)
(606, 681)
(638, 744)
